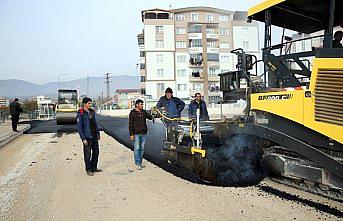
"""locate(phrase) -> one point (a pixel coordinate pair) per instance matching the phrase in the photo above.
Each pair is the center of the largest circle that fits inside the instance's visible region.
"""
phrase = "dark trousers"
(15, 120)
(91, 154)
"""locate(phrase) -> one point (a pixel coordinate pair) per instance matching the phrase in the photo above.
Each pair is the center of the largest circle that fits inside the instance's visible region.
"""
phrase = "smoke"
(238, 161)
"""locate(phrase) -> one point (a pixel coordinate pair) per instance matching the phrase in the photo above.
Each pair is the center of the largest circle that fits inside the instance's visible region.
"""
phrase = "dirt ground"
(42, 177)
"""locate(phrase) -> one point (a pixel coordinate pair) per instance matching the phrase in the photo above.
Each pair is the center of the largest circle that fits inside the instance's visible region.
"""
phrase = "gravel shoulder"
(42, 177)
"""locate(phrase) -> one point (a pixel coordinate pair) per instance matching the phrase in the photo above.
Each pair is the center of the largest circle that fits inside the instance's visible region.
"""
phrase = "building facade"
(126, 98)
(185, 49)
(4, 102)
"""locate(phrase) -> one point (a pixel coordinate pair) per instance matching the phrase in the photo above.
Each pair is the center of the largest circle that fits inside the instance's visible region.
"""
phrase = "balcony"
(213, 50)
(195, 62)
(194, 35)
(196, 76)
(193, 50)
(212, 35)
(140, 38)
(213, 78)
(214, 90)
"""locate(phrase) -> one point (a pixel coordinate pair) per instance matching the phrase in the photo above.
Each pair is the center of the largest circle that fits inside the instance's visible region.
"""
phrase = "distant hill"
(18, 88)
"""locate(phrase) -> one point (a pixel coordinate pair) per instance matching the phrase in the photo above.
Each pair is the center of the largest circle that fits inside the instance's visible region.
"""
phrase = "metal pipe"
(331, 22)
(198, 128)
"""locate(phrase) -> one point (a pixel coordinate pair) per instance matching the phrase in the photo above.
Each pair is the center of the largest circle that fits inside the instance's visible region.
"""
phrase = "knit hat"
(169, 90)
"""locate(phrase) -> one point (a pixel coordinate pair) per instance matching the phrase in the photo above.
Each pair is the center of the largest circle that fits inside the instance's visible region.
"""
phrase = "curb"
(13, 136)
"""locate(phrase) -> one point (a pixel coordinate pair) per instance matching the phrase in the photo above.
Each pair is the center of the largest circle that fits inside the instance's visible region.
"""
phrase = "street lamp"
(58, 79)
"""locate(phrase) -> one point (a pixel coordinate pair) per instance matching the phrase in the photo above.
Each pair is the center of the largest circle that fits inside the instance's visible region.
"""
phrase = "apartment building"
(186, 48)
(4, 102)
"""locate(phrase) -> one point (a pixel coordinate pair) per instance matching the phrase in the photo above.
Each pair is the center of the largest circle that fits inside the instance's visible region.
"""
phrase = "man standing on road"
(89, 133)
(195, 104)
(337, 39)
(138, 130)
(15, 111)
(172, 105)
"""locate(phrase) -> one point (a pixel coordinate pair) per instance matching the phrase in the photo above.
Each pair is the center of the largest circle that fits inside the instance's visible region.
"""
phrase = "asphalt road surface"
(42, 177)
(118, 129)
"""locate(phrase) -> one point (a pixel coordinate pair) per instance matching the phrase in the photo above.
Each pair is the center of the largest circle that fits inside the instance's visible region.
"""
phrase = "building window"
(180, 17)
(224, 45)
(245, 45)
(211, 44)
(209, 17)
(180, 31)
(142, 66)
(214, 99)
(197, 87)
(194, 16)
(195, 43)
(181, 58)
(213, 57)
(160, 86)
(196, 59)
(210, 31)
(160, 72)
(159, 57)
(224, 70)
(181, 73)
(143, 91)
(142, 54)
(213, 71)
(142, 78)
(140, 40)
(194, 29)
(224, 31)
(224, 18)
(159, 29)
(159, 44)
(224, 58)
(180, 44)
(182, 87)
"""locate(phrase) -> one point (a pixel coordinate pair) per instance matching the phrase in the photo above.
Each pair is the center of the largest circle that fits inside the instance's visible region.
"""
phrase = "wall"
(150, 38)
(152, 66)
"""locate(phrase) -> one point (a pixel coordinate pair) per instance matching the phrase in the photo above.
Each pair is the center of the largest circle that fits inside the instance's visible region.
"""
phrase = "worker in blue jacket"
(195, 104)
(172, 105)
(89, 134)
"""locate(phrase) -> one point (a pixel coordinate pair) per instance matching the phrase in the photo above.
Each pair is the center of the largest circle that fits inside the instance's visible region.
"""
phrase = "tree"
(30, 105)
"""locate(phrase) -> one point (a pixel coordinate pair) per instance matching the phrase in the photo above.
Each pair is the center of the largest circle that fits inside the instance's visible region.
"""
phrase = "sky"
(70, 39)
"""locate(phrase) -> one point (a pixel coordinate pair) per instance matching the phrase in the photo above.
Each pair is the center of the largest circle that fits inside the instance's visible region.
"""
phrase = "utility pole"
(107, 82)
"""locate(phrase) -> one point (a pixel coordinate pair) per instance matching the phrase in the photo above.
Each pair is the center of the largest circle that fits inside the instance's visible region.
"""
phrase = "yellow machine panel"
(320, 108)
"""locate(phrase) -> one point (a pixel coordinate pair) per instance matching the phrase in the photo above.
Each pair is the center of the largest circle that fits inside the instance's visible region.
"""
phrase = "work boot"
(90, 173)
(97, 171)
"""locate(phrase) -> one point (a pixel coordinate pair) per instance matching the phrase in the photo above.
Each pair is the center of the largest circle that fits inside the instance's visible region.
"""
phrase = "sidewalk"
(6, 133)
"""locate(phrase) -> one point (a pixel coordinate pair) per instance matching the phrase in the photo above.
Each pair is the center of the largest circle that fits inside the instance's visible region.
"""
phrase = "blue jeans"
(139, 148)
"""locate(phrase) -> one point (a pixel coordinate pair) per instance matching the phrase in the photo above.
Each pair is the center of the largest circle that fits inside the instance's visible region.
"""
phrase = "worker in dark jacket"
(336, 43)
(15, 111)
(195, 104)
(172, 105)
(138, 130)
(89, 134)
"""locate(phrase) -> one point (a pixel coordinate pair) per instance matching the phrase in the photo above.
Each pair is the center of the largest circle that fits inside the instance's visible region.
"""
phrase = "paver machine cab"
(67, 106)
(294, 111)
